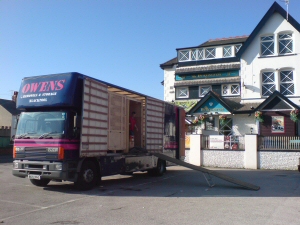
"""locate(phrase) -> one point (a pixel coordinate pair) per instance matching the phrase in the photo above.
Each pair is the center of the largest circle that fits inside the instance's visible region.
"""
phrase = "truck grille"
(33, 153)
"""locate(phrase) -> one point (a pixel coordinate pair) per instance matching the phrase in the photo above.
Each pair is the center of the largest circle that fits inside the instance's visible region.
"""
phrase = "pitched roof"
(169, 63)
(275, 8)
(273, 96)
(232, 104)
(224, 41)
(10, 106)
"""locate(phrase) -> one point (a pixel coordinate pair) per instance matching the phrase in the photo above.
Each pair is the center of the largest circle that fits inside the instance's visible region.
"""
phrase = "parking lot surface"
(181, 196)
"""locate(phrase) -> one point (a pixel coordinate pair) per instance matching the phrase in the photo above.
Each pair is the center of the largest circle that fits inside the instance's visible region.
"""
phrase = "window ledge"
(272, 56)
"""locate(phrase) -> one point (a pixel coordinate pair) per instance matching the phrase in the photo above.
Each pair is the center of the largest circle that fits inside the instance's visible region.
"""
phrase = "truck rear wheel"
(159, 170)
(40, 183)
(87, 177)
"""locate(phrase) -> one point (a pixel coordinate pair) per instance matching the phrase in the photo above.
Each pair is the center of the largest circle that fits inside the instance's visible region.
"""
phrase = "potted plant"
(258, 116)
(294, 115)
(222, 119)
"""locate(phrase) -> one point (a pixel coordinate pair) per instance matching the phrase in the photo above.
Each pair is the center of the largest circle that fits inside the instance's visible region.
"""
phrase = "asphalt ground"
(181, 196)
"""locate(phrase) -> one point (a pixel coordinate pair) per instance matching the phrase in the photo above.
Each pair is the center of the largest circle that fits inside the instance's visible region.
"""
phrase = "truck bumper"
(46, 170)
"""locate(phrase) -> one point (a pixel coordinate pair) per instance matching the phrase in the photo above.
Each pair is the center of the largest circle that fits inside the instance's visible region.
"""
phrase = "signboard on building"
(277, 124)
(216, 141)
(233, 73)
(212, 106)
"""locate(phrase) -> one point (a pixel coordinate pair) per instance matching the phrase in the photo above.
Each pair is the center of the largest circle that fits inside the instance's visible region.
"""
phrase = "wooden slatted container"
(154, 124)
(94, 131)
(117, 122)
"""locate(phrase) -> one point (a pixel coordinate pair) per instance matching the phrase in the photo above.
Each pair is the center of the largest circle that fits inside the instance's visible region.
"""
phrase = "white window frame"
(267, 42)
(210, 53)
(184, 55)
(283, 39)
(182, 92)
(228, 88)
(237, 48)
(227, 51)
(286, 81)
(208, 87)
(272, 83)
(280, 82)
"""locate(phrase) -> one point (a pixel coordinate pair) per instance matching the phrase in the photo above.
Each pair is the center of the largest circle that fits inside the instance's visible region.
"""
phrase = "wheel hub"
(88, 175)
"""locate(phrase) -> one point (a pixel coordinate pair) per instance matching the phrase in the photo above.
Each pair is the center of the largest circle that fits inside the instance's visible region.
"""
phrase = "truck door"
(181, 127)
(155, 112)
(117, 122)
(93, 140)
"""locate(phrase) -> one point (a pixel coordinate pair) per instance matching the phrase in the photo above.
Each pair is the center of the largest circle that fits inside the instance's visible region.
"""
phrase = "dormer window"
(285, 42)
(210, 53)
(237, 48)
(184, 55)
(227, 51)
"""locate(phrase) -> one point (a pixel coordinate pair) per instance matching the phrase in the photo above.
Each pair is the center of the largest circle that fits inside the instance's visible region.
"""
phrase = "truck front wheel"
(40, 183)
(87, 177)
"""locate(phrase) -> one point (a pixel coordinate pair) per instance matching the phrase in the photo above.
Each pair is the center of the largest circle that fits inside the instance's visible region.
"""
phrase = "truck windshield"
(41, 125)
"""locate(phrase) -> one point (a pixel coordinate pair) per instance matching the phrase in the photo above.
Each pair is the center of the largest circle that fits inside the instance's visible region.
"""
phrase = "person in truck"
(132, 124)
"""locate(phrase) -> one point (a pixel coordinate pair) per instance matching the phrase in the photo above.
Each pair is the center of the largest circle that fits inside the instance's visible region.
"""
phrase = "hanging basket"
(222, 119)
(258, 116)
(294, 115)
(199, 120)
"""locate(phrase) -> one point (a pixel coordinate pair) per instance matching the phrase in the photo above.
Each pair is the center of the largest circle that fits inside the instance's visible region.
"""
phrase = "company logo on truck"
(42, 90)
(56, 85)
(49, 90)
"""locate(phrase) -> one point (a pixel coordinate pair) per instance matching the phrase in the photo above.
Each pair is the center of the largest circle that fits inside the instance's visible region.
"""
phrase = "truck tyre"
(40, 183)
(159, 170)
(87, 177)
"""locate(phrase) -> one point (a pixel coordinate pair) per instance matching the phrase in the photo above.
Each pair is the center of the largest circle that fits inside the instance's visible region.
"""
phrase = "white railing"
(279, 143)
(230, 142)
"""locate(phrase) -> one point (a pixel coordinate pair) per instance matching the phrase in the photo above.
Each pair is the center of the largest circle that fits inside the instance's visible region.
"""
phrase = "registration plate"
(34, 177)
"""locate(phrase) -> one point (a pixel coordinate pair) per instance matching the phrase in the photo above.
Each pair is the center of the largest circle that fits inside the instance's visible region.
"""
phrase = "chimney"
(14, 97)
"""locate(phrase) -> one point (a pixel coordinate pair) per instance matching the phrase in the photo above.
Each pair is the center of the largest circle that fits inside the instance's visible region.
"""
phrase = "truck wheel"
(40, 183)
(159, 170)
(87, 178)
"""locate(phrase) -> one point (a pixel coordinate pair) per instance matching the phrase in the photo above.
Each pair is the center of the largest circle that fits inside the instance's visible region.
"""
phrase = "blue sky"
(118, 41)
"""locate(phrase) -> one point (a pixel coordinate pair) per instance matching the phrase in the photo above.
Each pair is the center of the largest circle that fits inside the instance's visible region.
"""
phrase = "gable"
(211, 105)
(277, 104)
(277, 13)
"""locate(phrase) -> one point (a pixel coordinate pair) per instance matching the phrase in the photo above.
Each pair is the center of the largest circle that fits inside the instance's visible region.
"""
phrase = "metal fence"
(278, 143)
(227, 142)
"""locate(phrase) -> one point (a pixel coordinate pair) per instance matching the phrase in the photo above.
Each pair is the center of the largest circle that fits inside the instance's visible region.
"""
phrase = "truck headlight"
(52, 150)
(16, 165)
(58, 166)
(19, 149)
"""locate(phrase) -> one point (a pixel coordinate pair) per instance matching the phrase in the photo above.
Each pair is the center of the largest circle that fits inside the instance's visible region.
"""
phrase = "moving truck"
(76, 128)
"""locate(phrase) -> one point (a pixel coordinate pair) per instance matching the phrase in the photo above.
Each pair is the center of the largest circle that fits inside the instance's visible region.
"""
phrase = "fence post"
(250, 157)
(195, 146)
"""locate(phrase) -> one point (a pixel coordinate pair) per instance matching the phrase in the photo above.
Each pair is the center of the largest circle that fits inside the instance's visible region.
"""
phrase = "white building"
(236, 77)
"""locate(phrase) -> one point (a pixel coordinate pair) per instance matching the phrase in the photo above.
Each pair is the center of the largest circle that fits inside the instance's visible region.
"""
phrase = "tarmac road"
(181, 196)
